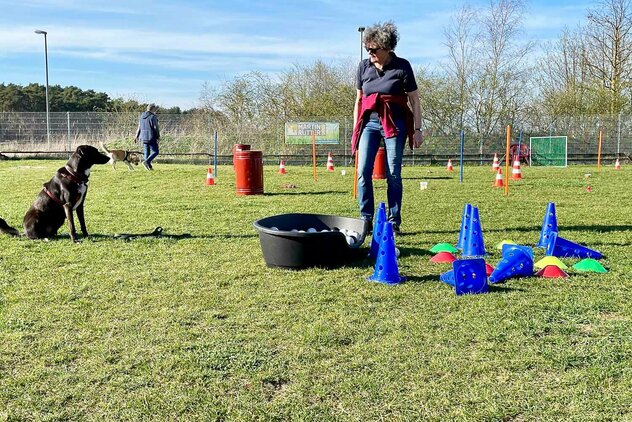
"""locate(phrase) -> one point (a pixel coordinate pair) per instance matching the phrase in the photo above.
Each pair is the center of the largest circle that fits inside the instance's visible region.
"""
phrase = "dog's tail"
(104, 148)
(5, 228)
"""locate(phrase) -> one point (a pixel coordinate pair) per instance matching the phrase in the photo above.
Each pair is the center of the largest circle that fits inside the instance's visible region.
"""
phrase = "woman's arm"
(415, 105)
(356, 107)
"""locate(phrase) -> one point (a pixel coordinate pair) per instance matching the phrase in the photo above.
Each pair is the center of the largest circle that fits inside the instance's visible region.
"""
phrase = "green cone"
(590, 265)
(443, 247)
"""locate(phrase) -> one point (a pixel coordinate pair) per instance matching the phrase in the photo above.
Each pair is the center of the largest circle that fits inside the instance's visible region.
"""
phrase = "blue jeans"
(367, 150)
(151, 151)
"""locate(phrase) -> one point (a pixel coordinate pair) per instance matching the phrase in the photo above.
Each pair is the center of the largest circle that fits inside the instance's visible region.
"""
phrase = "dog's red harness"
(70, 175)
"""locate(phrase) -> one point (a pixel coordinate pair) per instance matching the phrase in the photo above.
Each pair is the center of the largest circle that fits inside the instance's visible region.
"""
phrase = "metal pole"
(215, 154)
(461, 159)
(38, 31)
(68, 126)
(361, 31)
(619, 136)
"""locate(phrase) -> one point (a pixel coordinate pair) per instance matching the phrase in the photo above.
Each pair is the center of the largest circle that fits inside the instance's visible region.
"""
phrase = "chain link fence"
(190, 138)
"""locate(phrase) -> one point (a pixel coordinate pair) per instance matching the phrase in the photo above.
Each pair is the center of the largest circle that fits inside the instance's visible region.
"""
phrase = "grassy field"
(199, 328)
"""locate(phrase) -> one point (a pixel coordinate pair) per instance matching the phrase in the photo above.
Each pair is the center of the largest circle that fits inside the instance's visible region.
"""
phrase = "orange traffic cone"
(282, 167)
(450, 168)
(617, 165)
(496, 164)
(499, 179)
(210, 179)
(516, 174)
(330, 162)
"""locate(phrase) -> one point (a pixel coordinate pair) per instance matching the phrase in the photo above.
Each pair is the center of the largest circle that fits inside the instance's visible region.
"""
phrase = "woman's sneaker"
(147, 165)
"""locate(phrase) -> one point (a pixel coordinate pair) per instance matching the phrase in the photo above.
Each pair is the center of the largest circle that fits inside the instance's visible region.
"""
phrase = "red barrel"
(379, 166)
(249, 172)
(239, 147)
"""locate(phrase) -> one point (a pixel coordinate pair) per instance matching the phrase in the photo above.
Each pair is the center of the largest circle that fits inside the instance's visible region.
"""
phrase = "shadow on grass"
(596, 228)
(329, 192)
(181, 236)
(421, 278)
(408, 251)
(429, 178)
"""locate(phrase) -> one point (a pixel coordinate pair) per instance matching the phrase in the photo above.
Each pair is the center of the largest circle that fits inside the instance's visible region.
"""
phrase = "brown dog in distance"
(128, 157)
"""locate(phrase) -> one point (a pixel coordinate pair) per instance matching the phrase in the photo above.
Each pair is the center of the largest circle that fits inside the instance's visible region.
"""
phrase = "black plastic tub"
(285, 248)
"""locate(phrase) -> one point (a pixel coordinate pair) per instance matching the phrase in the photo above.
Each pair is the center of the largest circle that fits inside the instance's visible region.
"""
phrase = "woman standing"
(387, 106)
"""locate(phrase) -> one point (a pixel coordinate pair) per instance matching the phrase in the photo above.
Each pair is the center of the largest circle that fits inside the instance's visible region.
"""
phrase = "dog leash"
(158, 232)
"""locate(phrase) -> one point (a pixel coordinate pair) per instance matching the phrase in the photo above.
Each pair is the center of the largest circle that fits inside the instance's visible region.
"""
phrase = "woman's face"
(377, 54)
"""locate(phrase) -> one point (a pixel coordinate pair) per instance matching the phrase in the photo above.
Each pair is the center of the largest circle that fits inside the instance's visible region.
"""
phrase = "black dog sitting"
(61, 195)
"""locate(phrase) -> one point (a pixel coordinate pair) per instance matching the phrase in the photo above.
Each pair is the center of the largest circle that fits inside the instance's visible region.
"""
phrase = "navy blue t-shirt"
(395, 78)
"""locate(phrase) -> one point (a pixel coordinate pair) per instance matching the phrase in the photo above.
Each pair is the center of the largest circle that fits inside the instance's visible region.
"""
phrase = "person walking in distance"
(148, 133)
(387, 106)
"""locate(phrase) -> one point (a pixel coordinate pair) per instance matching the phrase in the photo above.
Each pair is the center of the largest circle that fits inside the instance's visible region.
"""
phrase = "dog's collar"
(53, 197)
(126, 155)
(69, 174)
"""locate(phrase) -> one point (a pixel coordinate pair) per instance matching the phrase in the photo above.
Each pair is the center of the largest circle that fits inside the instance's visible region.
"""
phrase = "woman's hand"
(418, 139)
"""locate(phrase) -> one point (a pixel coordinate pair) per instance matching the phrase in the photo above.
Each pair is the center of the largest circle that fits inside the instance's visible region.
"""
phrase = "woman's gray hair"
(152, 107)
(383, 35)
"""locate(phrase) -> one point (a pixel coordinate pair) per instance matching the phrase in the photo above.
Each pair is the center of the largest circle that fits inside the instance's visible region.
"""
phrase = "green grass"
(200, 328)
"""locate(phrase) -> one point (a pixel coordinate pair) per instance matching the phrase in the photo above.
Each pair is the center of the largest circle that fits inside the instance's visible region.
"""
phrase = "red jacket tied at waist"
(381, 103)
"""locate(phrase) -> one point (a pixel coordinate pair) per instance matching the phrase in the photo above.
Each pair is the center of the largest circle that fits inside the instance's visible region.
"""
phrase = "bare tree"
(608, 49)
(462, 40)
(502, 78)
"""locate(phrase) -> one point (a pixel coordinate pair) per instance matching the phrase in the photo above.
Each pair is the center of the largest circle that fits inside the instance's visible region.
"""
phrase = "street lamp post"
(39, 31)
(361, 31)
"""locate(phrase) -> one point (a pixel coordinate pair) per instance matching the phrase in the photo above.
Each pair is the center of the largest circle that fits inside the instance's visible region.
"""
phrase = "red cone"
(516, 174)
(495, 164)
(330, 162)
(449, 167)
(617, 165)
(551, 271)
(282, 167)
(488, 269)
(499, 179)
(210, 179)
(443, 257)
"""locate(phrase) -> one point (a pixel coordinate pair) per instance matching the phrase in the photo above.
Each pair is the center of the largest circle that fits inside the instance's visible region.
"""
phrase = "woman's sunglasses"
(372, 50)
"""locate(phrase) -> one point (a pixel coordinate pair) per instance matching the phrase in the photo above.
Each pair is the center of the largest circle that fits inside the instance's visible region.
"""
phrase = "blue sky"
(163, 51)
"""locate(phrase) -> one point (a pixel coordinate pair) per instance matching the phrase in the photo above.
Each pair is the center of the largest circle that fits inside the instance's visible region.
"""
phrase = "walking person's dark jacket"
(148, 129)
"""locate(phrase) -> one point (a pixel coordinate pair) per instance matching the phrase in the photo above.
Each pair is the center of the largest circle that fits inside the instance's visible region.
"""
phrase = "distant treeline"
(32, 97)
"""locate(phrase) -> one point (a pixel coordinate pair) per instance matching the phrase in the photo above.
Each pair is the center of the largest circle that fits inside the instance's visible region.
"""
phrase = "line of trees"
(32, 98)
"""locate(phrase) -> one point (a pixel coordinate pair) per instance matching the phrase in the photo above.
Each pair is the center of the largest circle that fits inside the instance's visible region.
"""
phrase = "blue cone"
(386, 265)
(473, 245)
(517, 261)
(378, 229)
(465, 218)
(470, 276)
(548, 225)
(563, 248)
(447, 277)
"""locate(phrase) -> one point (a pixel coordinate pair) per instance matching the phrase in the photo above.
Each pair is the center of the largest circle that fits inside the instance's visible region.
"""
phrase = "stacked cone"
(499, 179)
(282, 167)
(516, 174)
(210, 179)
(330, 162)
(386, 270)
(449, 167)
(495, 164)
(617, 165)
